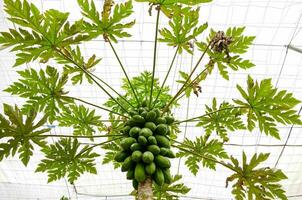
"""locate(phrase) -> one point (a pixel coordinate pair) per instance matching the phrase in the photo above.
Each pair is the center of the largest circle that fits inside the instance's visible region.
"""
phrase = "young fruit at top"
(169, 119)
(151, 116)
(162, 129)
(138, 119)
(160, 120)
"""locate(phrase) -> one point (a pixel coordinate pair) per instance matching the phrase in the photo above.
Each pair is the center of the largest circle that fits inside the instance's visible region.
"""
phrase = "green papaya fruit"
(162, 129)
(147, 157)
(162, 141)
(139, 172)
(150, 168)
(162, 161)
(158, 177)
(127, 164)
(151, 116)
(136, 146)
(167, 175)
(152, 140)
(126, 130)
(136, 156)
(130, 174)
(142, 140)
(169, 119)
(127, 142)
(138, 119)
(135, 184)
(160, 120)
(146, 132)
(153, 149)
(150, 125)
(134, 132)
(120, 156)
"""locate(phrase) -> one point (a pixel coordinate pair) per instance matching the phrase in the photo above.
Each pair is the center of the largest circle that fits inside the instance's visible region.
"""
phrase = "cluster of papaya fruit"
(146, 147)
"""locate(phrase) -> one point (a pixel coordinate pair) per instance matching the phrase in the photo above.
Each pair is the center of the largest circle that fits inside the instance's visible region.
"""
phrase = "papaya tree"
(141, 130)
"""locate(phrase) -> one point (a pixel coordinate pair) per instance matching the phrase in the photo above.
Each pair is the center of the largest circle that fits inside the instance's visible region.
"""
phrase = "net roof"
(276, 53)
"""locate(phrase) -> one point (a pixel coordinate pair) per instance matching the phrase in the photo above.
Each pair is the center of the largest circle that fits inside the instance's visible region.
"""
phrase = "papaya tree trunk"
(145, 190)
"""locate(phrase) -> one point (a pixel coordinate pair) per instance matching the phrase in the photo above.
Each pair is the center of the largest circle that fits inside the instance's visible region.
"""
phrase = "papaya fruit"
(141, 110)
(133, 112)
(144, 103)
(144, 114)
(146, 132)
(142, 140)
(138, 119)
(127, 164)
(127, 142)
(162, 161)
(150, 125)
(126, 130)
(164, 151)
(171, 154)
(139, 173)
(120, 156)
(153, 149)
(160, 120)
(169, 119)
(135, 184)
(136, 156)
(158, 177)
(147, 157)
(162, 141)
(136, 146)
(162, 129)
(167, 175)
(134, 132)
(152, 140)
(150, 168)
(130, 174)
(151, 116)
(157, 111)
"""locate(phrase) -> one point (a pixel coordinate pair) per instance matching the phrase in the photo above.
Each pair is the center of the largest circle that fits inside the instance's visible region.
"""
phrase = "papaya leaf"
(268, 106)
(45, 32)
(202, 146)
(254, 182)
(183, 30)
(109, 24)
(21, 133)
(222, 119)
(67, 158)
(44, 90)
(83, 120)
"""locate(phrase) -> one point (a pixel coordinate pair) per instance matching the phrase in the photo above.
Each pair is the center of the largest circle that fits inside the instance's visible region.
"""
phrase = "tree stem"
(162, 86)
(123, 68)
(188, 79)
(145, 190)
(154, 56)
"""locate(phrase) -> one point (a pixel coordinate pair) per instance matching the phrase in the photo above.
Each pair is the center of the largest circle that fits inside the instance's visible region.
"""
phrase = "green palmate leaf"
(221, 119)
(46, 32)
(75, 56)
(211, 149)
(268, 106)
(19, 134)
(83, 120)
(111, 24)
(170, 191)
(227, 55)
(254, 182)
(142, 85)
(67, 158)
(112, 149)
(184, 29)
(44, 90)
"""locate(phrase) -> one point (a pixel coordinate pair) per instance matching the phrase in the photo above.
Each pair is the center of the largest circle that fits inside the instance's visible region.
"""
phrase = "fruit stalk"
(145, 190)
